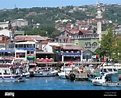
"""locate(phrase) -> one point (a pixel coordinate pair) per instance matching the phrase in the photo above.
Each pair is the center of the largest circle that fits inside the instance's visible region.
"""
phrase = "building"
(4, 25)
(19, 23)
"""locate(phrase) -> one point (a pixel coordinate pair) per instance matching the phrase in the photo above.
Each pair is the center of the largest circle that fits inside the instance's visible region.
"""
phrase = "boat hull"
(97, 83)
(44, 74)
(110, 84)
(26, 75)
(62, 75)
(8, 78)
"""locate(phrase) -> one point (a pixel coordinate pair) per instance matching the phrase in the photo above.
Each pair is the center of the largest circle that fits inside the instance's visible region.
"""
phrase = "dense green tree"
(108, 45)
(117, 49)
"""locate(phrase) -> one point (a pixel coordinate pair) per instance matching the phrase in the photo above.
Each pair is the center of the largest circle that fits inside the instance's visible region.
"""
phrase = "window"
(110, 70)
(20, 55)
(87, 44)
(105, 70)
(76, 43)
(115, 69)
(11, 46)
(94, 44)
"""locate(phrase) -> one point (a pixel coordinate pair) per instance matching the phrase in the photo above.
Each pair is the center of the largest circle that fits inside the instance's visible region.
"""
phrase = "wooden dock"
(81, 77)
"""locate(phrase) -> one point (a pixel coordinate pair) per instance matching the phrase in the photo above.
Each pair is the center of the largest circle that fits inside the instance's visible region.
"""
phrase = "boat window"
(100, 77)
(115, 69)
(8, 61)
(110, 70)
(105, 70)
(101, 70)
(1, 61)
(6, 72)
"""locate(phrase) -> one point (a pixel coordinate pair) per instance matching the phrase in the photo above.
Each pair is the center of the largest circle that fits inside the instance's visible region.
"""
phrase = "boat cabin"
(108, 69)
(5, 71)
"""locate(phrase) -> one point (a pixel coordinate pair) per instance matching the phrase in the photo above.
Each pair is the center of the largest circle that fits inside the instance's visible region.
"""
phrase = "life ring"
(72, 77)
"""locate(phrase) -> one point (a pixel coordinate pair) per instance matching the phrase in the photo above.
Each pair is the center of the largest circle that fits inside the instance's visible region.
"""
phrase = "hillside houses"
(76, 39)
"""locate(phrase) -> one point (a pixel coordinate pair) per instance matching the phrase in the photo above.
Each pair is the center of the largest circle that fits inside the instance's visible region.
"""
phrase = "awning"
(31, 57)
(28, 49)
(72, 47)
(9, 51)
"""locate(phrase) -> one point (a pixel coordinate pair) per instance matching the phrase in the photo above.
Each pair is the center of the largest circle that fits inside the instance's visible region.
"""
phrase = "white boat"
(65, 70)
(108, 69)
(6, 75)
(45, 72)
(108, 79)
(98, 81)
(26, 74)
(116, 66)
(103, 70)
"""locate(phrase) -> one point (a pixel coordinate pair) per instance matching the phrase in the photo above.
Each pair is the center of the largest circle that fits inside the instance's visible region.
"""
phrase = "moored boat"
(64, 71)
(45, 72)
(108, 79)
(6, 75)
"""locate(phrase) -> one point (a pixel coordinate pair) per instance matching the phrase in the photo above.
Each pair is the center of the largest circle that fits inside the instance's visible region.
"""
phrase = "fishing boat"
(6, 75)
(108, 79)
(112, 67)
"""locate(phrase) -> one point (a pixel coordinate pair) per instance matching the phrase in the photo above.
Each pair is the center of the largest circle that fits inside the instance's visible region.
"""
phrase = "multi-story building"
(86, 39)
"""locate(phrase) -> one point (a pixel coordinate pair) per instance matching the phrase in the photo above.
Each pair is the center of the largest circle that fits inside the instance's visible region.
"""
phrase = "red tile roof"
(29, 38)
(85, 31)
(71, 47)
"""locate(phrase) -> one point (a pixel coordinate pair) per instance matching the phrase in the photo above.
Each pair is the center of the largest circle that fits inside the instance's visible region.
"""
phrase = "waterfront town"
(70, 55)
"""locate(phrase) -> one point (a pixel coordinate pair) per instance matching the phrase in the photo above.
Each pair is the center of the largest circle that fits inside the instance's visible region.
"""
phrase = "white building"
(6, 32)
(49, 47)
(19, 23)
(4, 24)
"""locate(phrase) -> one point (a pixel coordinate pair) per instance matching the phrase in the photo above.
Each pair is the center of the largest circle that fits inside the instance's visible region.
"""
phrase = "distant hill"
(50, 16)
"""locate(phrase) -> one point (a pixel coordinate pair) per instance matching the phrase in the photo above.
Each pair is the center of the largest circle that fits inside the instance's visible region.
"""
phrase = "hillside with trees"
(47, 16)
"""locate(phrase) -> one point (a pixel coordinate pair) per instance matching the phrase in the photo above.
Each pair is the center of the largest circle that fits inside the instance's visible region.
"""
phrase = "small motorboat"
(108, 79)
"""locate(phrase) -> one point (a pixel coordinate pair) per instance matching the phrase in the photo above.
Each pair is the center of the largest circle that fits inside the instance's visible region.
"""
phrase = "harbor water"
(52, 83)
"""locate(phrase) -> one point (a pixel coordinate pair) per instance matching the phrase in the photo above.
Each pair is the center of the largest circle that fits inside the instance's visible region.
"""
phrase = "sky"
(10, 4)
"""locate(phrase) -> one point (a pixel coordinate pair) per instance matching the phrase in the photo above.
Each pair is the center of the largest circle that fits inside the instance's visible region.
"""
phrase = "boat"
(103, 70)
(64, 71)
(91, 76)
(108, 79)
(114, 67)
(26, 74)
(71, 76)
(45, 72)
(6, 75)
(6, 61)
(108, 69)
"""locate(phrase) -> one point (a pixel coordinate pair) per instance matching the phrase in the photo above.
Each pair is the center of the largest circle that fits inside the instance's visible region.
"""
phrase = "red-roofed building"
(86, 39)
